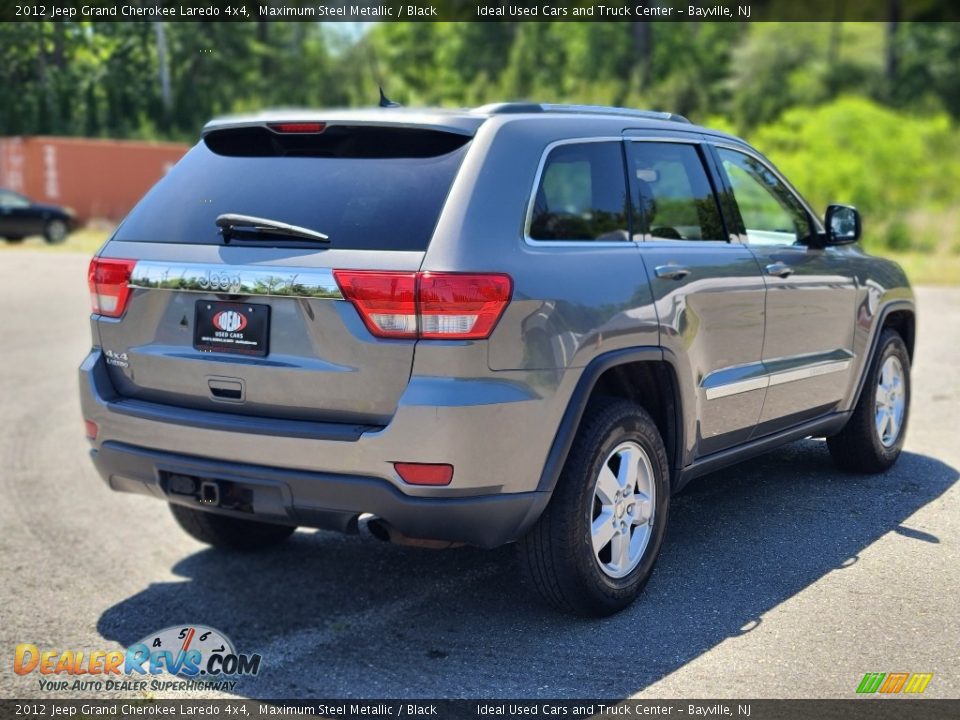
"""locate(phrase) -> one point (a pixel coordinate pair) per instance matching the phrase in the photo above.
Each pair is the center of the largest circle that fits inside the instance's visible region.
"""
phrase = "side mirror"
(843, 225)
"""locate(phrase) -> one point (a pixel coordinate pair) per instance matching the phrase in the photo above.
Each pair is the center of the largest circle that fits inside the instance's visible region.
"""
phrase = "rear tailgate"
(259, 326)
(321, 363)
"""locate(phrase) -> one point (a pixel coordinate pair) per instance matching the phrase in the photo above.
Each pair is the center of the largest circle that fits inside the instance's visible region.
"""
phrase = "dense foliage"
(857, 112)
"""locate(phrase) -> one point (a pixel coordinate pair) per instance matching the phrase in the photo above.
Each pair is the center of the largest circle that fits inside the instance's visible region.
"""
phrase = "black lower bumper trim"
(316, 499)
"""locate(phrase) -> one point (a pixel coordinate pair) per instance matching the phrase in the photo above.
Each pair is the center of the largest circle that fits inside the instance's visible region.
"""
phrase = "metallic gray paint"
(711, 319)
(502, 411)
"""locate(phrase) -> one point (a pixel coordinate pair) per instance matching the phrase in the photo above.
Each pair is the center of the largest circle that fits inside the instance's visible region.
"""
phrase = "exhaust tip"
(378, 528)
(382, 530)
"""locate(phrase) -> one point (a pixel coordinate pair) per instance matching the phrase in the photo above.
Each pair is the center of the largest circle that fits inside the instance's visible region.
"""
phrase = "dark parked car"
(20, 217)
(520, 323)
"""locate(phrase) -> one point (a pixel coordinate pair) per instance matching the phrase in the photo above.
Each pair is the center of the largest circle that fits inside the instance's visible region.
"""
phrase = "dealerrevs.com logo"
(201, 657)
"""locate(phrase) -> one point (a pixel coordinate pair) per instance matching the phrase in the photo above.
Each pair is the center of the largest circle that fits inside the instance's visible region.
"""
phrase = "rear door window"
(673, 197)
(365, 188)
(582, 194)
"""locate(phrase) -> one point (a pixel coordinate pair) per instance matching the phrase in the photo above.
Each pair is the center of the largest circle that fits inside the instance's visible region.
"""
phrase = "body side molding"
(756, 376)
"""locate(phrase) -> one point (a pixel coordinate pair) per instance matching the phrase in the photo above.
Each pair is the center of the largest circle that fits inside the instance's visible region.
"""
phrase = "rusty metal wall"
(97, 178)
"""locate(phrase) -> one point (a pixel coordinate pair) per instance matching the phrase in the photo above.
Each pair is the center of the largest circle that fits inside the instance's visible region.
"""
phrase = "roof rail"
(527, 107)
(603, 110)
(505, 108)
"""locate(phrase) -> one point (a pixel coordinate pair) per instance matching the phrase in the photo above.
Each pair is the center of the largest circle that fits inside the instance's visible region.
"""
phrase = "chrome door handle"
(671, 272)
(779, 269)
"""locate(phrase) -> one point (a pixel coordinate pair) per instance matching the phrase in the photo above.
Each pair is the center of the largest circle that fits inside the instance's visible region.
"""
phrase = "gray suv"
(521, 323)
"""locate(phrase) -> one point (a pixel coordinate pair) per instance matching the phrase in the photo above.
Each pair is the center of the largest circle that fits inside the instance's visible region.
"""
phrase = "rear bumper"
(326, 474)
(313, 499)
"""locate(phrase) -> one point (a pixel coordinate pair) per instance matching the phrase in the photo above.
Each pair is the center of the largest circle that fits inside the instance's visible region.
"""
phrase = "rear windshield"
(365, 188)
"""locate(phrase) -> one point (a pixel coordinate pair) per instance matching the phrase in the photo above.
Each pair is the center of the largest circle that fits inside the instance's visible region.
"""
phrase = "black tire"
(858, 447)
(557, 555)
(55, 231)
(14, 240)
(229, 533)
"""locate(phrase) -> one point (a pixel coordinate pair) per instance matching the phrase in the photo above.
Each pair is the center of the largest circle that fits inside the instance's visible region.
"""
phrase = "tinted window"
(674, 198)
(582, 194)
(11, 199)
(366, 190)
(771, 214)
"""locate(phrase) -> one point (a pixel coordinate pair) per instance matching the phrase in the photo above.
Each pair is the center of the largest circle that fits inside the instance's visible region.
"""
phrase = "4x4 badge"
(116, 359)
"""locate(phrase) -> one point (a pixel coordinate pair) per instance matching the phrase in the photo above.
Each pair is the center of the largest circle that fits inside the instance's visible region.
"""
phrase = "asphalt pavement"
(781, 577)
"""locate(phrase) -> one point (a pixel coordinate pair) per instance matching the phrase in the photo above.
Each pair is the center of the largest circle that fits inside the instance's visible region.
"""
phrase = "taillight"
(386, 301)
(429, 305)
(108, 278)
(456, 306)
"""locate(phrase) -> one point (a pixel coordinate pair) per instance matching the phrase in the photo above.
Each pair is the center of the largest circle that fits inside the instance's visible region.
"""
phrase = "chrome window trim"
(760, 376)
(210, 278)
(747, 150)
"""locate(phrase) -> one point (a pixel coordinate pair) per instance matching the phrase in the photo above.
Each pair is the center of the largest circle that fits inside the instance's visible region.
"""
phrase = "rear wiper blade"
(231, 224)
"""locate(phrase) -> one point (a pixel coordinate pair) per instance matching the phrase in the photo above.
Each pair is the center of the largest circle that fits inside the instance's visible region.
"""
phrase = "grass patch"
(935, 269)
(85, 240)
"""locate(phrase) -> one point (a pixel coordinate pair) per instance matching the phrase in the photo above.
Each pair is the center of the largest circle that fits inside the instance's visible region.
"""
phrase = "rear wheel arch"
(642, 375)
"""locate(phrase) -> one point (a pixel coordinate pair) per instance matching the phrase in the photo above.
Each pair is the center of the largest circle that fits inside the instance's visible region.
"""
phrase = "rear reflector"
(300, 127)
(92, 429)
(108, 278)
(429, 305)
(424, 473)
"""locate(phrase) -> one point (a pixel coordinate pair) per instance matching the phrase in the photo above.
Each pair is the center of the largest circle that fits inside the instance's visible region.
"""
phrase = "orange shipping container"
(97, 178)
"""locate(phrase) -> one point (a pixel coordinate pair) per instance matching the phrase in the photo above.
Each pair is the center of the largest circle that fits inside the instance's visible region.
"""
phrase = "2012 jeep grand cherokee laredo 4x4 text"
(520, 323)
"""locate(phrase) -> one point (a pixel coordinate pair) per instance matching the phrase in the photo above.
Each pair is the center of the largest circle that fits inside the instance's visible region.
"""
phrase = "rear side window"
(582, 194)
(674, 198)
(365, 188)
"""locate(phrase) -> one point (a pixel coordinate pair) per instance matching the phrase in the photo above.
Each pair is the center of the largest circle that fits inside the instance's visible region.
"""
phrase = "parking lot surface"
(781, 577)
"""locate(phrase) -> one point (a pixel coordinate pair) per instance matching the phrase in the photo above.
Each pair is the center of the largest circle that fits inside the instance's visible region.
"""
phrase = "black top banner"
(484, 10)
